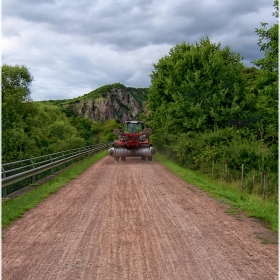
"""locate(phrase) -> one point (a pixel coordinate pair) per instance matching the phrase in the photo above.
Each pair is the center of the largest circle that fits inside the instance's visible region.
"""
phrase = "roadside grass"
(251, 205)
(15, 208)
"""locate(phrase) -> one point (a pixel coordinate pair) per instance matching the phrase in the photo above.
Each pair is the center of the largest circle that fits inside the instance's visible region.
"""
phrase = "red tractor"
(132, 142)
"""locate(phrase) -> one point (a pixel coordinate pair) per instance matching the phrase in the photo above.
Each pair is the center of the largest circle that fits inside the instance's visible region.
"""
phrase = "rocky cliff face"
(118, 103)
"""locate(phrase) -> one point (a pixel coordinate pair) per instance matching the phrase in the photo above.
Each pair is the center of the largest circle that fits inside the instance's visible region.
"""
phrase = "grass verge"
(252, 205)
(15, 208)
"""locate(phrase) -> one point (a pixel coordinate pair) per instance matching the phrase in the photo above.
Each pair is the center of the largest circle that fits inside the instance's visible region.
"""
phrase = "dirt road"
(134, 220)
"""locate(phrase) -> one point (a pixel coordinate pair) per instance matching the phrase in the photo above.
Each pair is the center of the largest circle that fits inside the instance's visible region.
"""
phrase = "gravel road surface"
(135, 220)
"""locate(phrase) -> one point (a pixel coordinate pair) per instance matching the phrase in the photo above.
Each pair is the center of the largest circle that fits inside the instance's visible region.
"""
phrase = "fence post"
(242, 177)
(33, 177)
(213, 164)
(64, 165)
(4, 189)
(51, 161)
(226, 169)
(254, 178)
(264, 185)
(83, 149)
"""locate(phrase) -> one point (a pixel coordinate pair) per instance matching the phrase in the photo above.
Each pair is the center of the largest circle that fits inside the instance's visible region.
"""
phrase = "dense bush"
(31, 129)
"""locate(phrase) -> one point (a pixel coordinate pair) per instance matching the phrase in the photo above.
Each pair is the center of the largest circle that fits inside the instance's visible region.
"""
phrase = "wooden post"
(254, 177)
(226, 169)
(213, 164)
(242, 177)
(264, 185)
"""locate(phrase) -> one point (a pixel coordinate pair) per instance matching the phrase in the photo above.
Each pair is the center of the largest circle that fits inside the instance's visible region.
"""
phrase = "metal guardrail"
(17, 171)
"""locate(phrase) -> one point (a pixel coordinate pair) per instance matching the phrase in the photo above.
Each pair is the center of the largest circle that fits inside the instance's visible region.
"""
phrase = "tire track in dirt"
(177, 240)
(134, 220)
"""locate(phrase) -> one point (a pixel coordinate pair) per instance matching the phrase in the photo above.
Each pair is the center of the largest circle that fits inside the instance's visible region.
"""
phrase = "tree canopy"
(32, 128)
(196, 87)
(268, 42)
(267, 80)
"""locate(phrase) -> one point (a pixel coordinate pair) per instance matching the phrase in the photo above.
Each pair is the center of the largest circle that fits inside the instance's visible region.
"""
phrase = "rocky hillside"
(109, 102)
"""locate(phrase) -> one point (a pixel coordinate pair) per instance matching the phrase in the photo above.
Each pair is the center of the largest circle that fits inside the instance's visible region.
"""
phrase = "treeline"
(206, 105)
(32, 129)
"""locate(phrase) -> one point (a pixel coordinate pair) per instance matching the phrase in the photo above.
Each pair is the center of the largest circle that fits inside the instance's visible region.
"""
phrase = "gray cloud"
(73, 47)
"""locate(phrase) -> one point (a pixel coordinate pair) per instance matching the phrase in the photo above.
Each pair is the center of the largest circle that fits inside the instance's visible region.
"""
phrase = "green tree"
(204, 104)
(17, 112)
(53, 131)
(31, 128)
(16, 81)
(86, 128)
(267, 80)
(107, 130)
(199, 86)
(268, 42)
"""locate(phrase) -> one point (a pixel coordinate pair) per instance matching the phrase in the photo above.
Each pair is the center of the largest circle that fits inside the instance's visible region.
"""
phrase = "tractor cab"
(133, 126)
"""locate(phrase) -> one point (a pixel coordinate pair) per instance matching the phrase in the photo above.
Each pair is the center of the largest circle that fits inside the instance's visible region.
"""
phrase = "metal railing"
(13, 172)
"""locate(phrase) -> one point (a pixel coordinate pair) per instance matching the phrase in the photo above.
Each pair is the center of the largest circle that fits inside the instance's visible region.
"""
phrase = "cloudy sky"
(73, 47)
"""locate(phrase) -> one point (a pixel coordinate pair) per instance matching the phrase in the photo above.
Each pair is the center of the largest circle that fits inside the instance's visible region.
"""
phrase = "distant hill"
(114, 101)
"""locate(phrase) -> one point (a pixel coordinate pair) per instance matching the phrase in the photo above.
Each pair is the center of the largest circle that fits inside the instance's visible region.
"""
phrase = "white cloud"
(73, 47)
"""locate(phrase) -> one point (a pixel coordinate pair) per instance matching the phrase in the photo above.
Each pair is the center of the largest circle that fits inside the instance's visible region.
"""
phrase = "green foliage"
(16, 81)
(140, 94)
(237, 146)
(15, 96)
(31, 129)
(17, 113)
(107, 129)
(267, 80)
(268, 41)
(199, 85)
(196, 88)
(53, 131)
(16, 145)
(102, 91)
(87, 129)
